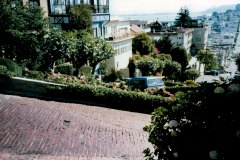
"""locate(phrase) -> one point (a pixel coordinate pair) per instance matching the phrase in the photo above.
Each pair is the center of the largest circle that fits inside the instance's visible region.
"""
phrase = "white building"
(182, 37)
(118, 35)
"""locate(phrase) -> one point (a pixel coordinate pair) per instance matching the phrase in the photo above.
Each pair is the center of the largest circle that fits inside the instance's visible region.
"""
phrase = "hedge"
(64, 69)
(4, 73)
(11, 66)
(175, 89)
(112, 98)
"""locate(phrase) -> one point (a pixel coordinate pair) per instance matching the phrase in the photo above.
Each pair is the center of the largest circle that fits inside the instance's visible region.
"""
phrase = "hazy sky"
(163, 6)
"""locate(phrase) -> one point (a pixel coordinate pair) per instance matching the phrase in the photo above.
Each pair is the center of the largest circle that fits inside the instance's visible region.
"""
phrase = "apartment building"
(200, 38)
(179, 36)
(58, 12)
(118, 35)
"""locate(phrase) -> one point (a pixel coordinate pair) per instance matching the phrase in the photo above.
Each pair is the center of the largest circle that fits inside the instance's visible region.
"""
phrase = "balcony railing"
(118, 37)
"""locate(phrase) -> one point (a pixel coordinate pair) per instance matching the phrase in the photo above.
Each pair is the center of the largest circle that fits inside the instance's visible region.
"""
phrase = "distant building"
(180, 36)
(159, 27)
(222, 53)
(238, 7)
(136, 29)
(58, 12)
(141, 24)
(118, 35)
(156, 27)
(200, 38)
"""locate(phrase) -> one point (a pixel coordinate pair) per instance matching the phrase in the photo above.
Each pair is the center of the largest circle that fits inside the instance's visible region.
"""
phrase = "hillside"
(222, 8)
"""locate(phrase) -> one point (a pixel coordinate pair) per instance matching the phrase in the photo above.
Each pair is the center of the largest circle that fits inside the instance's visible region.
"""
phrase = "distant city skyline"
(118, 7)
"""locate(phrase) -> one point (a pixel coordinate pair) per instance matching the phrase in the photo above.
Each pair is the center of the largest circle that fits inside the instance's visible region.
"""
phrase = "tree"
(80, 18)
(132, 68)
(191, 74)
(84, 43)
(179, 54)
(164, 45)
(207, 58)
(149, 65)
(183, 19)
(90, 50)
(55, 48)
(22, 29)
(102, 51)
(171, 69)
(143, 44)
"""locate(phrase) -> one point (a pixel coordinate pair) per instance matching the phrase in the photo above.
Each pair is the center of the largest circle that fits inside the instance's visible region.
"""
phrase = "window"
(34, 2)
(137, 83)
(58, 6)
(102, 2)
(86, 1)
(101, 6)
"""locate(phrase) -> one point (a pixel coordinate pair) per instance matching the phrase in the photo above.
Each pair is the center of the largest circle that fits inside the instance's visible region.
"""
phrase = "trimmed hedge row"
(112, 98)
(175, 89)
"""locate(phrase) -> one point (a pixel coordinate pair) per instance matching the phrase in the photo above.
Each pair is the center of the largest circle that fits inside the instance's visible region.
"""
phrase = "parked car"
(145, 82)
(236, 78)
(212, 72)
(222, 71)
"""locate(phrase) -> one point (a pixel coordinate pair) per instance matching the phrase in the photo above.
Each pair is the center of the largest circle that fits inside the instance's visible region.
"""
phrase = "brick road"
(33, 129)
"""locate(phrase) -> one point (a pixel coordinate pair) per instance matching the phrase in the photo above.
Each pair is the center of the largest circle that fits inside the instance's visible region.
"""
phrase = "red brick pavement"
(33, 129)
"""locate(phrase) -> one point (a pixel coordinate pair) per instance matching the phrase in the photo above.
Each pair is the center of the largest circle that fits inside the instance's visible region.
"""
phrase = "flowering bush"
(201, 124)
(160, 91)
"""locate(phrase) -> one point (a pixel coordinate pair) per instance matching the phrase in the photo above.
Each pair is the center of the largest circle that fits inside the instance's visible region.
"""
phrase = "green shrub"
(64, 69)
(175, 89)
(3, 69)
(34, 74)
(113, 76)
(86, 71)
(11, 66)
(59, 80)
(191, 74)
(199, 125)
(191, 83)
(112, 98)
(4, 73)
(169, 83)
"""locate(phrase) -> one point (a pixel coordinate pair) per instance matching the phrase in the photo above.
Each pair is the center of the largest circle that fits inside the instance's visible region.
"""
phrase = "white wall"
(123, 52)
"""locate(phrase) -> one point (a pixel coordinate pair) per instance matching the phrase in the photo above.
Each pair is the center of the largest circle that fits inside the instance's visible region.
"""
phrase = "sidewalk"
(33, 129)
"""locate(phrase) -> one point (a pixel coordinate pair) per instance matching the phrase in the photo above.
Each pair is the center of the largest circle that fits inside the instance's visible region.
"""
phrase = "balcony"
(119, 37)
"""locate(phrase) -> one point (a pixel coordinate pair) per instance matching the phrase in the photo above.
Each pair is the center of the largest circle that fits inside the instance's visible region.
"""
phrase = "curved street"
(33, 129)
